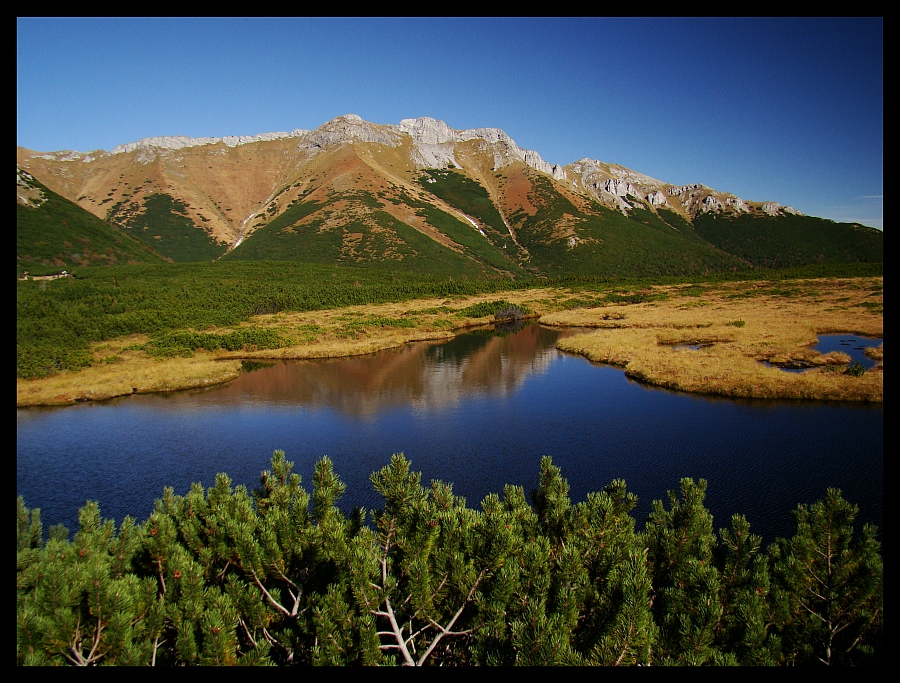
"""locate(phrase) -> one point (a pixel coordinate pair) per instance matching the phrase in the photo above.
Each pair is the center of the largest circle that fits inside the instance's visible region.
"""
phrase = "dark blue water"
(853, 345)
(479, 412)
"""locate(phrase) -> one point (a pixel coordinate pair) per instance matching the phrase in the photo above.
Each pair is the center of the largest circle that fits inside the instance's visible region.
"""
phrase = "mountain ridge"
(361, 187)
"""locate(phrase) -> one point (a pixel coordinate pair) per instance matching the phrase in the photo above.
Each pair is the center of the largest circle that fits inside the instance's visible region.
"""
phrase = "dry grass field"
(739, 327)
(733, 339)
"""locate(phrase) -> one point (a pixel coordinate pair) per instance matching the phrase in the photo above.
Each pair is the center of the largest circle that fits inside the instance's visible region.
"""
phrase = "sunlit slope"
(791, 240)
(565, 233)
(163, 223)
(351, 209)
(420, 196)
(53, 233)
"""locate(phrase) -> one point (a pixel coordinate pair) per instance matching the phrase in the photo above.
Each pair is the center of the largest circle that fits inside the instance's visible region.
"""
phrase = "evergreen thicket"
(281, 576)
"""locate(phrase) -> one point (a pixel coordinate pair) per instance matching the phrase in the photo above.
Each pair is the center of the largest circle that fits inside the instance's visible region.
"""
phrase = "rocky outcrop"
(27, 193)
(433, 139)
(181, 141)
(348, 129)
(428, 131)
(620, 188)
(710, 203)
(657, 199)
(736, 204)
(63, 155)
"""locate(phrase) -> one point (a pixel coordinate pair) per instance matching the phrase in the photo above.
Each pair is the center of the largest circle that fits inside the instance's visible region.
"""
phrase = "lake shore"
(726, 339)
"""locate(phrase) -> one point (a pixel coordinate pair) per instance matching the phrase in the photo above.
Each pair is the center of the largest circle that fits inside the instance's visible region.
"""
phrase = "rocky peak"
(347, 129)
(434, 139)
(657, 198)
(428, 131)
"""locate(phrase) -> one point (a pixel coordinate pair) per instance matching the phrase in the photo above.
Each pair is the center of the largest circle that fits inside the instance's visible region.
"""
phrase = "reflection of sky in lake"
(478, 411)
(853, 345)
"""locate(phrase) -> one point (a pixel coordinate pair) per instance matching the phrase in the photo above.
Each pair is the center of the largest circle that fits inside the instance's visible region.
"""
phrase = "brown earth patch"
(515, 191)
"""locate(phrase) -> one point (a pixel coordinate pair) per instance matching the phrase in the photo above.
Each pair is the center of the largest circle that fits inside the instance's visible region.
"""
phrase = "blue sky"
(785, 110)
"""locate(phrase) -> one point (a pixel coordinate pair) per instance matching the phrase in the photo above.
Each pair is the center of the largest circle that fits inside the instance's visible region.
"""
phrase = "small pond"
(853, 345)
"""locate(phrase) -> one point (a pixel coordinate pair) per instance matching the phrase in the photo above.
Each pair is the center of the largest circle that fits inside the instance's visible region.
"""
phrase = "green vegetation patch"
(184, 343)
(162, 224)
(790, 240)
(58, 234)
(367, 237)
(467, 195)
(633, 298)
(486, 308)
(213, 578)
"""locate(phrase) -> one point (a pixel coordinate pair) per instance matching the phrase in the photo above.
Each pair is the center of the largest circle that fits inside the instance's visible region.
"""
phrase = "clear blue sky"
(785, 110)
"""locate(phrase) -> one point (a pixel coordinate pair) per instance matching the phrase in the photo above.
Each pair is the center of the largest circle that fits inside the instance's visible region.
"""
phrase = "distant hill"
(53, 233)
(420, 196)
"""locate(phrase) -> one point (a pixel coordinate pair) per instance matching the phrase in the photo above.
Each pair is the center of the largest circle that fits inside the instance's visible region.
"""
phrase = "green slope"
(59, 234)
(787, 240)
(362, 234)
(602, 241)
(160, 223)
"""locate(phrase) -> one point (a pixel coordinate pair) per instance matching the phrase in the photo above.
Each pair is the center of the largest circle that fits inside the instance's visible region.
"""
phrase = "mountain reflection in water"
(427, 376)
(477, 411)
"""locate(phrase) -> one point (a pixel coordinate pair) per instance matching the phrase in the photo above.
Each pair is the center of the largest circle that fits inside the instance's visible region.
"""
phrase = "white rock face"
(434, 156)
(737, 204)
(347, 129)
(710, 203)
(181, 141)
(428, 133)
(685, 190)
(620, 188)
(63, 155)
(28, 194)
(771, 208)
(657, 198)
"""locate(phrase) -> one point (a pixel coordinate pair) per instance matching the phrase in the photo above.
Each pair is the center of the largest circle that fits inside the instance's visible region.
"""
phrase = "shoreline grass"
(740, 326)
(744, 333)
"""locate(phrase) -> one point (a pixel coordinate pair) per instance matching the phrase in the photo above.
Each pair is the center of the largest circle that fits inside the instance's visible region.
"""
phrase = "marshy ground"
(719, 338)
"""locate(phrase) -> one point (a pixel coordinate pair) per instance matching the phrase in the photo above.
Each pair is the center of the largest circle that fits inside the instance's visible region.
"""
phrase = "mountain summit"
(422, 195)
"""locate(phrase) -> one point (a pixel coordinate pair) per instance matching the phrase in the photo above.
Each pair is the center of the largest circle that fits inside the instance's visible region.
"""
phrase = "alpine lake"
(477, 411)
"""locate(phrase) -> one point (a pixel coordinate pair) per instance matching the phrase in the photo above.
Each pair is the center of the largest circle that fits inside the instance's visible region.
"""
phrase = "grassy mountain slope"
(791, 240)
(57, 233)
(161, 222)
(353, 208)
(365, 195)
(591, 239)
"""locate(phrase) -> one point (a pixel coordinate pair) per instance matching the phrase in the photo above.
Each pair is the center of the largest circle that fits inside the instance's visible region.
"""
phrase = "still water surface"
(478, 411)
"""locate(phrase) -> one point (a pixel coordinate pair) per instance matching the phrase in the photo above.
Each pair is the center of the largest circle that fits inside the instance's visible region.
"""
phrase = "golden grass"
(742, 324)
(740, 327)
(133, 372)
(350, 331)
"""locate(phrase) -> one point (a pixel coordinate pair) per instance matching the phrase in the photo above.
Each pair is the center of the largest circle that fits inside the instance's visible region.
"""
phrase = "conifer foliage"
(278, 576)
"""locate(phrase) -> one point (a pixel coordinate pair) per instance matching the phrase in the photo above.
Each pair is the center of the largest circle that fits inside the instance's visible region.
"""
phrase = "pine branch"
(445, 631)
(292, 614)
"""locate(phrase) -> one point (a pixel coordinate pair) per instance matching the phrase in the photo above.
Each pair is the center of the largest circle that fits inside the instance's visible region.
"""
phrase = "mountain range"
(418, 195)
